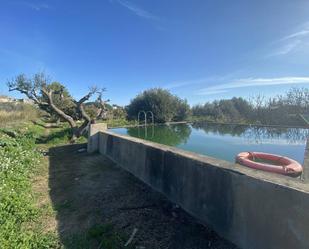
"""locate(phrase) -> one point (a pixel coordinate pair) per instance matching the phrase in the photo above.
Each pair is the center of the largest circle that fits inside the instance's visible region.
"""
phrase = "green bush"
(165, 106)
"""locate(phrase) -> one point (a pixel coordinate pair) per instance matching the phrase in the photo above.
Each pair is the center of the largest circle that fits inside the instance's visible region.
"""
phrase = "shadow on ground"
(98, 205)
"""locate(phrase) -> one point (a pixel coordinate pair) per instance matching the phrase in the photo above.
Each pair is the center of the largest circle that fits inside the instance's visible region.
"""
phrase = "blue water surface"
(225, 141)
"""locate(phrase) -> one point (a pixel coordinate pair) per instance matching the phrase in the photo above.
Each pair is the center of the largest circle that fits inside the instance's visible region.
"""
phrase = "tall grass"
(16, 112)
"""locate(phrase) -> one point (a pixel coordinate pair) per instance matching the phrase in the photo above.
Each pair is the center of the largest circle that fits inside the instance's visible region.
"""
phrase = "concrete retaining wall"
(93, 136)
(253, 209)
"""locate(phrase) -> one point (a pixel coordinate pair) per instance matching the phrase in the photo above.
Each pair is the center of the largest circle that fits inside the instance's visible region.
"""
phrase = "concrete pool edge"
(239, 203)
(284, 181)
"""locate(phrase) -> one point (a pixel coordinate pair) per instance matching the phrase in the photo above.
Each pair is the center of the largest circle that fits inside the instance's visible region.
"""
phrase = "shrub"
(165, 106)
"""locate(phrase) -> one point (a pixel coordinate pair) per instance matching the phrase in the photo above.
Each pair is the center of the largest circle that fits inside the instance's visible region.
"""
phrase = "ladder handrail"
(152, 116)
(145, 115)
(145, 123)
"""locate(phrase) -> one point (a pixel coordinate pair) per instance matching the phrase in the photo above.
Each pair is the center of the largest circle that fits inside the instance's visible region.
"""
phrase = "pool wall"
(252, 209)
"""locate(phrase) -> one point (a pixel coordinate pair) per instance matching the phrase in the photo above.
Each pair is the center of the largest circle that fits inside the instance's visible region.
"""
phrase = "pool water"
(225, 141)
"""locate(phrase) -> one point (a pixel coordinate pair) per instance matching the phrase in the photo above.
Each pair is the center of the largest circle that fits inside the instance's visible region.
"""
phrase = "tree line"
(291, 108)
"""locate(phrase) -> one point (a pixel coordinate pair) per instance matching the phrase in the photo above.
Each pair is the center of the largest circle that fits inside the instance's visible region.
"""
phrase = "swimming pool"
(225, 141)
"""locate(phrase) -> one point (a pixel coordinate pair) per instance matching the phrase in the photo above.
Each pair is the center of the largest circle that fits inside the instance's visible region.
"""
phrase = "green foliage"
(58, 136)
(119, 122)
(62, 99)
(229, 110)
(18, 161)
(118, 112)
(112, 111)
(165, 106)
(284, 109)
(281, 110)
(91, 110)
(54, 99)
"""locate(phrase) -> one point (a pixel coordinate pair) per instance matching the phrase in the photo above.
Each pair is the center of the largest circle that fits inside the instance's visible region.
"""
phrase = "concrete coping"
(284, 181)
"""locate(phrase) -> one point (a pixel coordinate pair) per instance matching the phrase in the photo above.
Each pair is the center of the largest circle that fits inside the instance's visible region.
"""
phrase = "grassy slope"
(19, 216)
(28, 217)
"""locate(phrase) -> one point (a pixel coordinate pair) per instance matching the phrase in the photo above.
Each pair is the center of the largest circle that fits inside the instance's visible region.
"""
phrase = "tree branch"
(48, 94)
(80, 108)
(101, 104)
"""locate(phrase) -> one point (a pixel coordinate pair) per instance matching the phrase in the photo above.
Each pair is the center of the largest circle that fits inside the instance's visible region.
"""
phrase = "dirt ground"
(89, 191)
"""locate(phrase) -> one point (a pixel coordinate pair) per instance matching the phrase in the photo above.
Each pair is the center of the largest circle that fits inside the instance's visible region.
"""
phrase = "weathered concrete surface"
(305, 175)
(253, 209)
(93, 136)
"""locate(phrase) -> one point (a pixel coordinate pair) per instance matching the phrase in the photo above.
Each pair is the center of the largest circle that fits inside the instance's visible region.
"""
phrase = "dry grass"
(11, 113)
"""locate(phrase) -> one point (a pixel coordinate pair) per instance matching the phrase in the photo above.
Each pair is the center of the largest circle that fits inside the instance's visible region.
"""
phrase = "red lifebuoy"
(279, 164)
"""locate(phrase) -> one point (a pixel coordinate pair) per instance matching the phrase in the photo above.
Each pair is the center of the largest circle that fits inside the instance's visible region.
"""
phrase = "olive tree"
(55, 99)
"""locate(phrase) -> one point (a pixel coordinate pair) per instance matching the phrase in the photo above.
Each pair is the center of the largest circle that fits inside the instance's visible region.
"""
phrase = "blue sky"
(198, 49)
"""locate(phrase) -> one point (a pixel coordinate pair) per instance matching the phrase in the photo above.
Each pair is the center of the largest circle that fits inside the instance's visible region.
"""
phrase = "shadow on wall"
(98, 205)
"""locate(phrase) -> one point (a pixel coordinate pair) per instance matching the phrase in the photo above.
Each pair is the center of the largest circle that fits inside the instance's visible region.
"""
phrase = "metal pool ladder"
(145, 123)
(145, 117)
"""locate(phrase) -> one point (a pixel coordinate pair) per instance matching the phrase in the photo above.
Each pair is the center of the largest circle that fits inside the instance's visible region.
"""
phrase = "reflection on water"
(171, 135)
(226, 141)
(257, 134)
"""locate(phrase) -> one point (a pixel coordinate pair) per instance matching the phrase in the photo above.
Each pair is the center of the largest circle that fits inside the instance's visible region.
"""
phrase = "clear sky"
(199, 49)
